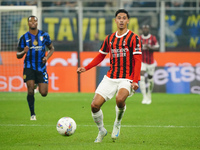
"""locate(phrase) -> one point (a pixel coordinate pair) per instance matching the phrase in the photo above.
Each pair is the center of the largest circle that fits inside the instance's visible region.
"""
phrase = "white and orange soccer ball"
(66, 126)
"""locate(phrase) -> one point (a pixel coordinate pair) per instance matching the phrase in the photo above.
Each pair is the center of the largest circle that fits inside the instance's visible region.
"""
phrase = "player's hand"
(81, 69)
(144, 46)
(44, 60)
(26, 49)
(134, 86)
(149, 47)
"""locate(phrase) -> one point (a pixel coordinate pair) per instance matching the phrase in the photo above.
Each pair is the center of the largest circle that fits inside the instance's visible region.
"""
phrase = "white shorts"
(148, 68)
(109, 87)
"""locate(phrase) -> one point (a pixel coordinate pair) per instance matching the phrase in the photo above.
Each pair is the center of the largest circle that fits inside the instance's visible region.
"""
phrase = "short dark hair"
(31, 17)
(122, 11)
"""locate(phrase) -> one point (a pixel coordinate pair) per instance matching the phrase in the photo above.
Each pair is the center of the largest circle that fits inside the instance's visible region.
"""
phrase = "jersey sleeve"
(47, 39)
(21, 44)
(104, 47)
(137, 45)
(155, 42)
(95, 61)
(137, 67)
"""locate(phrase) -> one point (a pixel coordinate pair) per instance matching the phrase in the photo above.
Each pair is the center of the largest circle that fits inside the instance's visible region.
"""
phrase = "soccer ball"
(66, 126)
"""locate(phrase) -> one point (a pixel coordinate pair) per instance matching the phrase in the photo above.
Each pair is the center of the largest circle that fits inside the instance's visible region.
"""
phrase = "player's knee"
(95, 108)
(30, 91)
(120, 102)
(120, 105)
(44, 94)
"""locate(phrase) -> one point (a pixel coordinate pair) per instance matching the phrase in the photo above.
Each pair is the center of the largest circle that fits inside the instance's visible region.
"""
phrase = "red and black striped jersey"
(147, 55)
(121, 49)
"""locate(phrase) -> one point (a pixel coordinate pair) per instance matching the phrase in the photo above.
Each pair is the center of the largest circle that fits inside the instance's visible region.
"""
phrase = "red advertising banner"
(62, 66)
(71, 58)
(61, 79)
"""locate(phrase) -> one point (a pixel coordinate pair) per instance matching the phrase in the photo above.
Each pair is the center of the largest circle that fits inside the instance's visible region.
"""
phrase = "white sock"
(98, 119)
(151, 84)
(150, 87)
(119, 114)
(142, 86)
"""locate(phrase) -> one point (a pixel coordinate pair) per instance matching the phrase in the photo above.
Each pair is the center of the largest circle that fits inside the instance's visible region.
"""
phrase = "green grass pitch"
(171, 122)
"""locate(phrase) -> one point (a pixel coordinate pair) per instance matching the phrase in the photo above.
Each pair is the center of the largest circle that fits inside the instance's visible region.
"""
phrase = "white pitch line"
(151, 126)
(126, 126)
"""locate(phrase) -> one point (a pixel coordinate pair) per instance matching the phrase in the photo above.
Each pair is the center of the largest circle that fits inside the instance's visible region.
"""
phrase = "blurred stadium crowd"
(106, 3)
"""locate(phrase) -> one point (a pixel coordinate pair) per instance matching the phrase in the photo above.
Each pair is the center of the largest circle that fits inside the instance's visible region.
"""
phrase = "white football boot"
(33, 117)
(100, 136)
(145, 99)
(116, 131)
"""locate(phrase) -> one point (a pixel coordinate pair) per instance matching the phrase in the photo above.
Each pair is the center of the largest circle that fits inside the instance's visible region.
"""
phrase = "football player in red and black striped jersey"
(149, 45)
(124, 48)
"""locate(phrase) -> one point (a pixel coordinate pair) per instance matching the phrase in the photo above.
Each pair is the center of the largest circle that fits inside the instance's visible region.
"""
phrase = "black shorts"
(37, 76)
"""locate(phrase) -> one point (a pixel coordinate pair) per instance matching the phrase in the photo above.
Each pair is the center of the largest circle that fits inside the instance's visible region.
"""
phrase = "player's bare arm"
(152, 48)
(22, 53)
(81, 69)
(50, 52)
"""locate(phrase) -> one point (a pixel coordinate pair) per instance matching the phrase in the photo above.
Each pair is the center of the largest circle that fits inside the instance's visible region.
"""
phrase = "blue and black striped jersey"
(37, 48)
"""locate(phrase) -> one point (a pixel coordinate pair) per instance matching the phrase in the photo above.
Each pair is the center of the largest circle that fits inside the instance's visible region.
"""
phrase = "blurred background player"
(33, 44)
(124, 48)
(149, 45)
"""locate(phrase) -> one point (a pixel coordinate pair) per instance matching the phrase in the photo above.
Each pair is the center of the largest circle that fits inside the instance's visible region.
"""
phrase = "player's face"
(32, 23)
(121, 21)
(145, 31)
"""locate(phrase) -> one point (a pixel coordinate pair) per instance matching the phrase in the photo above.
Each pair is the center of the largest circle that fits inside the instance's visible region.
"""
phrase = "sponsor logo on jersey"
(119, 52)
(37, 48)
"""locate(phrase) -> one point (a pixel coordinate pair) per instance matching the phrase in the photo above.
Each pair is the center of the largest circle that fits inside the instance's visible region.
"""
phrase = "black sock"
(31, 100)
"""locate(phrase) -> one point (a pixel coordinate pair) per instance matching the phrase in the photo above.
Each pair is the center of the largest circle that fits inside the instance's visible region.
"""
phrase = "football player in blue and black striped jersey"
(32, 44)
